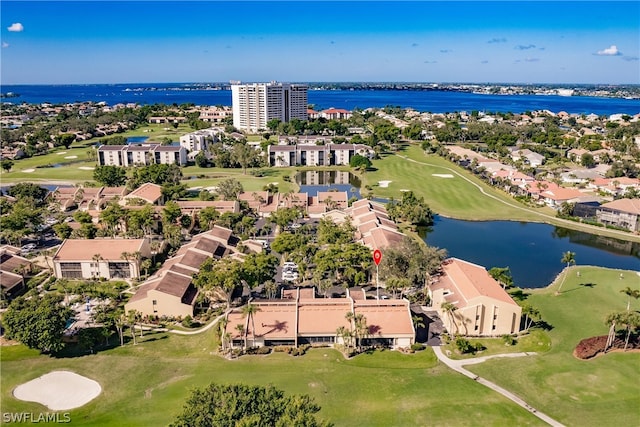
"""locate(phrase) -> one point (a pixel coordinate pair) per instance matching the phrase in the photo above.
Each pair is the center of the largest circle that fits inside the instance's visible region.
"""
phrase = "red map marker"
(377, 256)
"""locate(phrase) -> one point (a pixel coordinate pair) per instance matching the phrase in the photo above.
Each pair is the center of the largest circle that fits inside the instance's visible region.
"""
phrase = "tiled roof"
(624, 205)
(85, 249)
(147, 191)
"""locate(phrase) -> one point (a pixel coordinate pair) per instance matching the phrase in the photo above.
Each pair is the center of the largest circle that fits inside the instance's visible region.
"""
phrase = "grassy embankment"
(454, 192)
(577, 392)
(147, 384)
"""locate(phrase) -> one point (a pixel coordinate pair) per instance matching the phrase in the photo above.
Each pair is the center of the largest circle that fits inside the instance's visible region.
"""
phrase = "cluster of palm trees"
(358, 330)
(248, 312)
(629, 319)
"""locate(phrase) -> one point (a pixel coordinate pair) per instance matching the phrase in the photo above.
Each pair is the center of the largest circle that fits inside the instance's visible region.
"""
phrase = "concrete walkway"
(201, 330)
(457, 365)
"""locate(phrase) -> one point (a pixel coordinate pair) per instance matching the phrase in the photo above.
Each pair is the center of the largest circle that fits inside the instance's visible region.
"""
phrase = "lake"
(313, 181)
(532, 251)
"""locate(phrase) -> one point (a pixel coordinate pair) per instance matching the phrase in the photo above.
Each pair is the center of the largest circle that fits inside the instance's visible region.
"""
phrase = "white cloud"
(610, 51)
(5, 44)
(16, 27)
(497, 40)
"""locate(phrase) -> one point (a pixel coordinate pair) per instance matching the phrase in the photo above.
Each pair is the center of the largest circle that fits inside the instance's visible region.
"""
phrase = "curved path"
(457, 365)
(201, 330)
(548, 218)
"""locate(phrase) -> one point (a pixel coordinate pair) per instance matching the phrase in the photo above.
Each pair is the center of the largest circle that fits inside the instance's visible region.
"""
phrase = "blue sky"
(204, 41)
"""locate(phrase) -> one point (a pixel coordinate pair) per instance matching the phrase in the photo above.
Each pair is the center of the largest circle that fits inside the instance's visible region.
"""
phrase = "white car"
(29, 247)
(290, 277)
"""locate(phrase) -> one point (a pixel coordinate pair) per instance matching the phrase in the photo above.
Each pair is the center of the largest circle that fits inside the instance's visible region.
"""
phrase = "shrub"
(187, 322)
(417, 346)
(263, 350)
(463, 345)
(509, 339)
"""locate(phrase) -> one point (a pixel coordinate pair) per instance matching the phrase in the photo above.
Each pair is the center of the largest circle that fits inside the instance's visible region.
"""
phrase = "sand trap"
(404, 190)
(29, 170)
(384, 184)
(59, 390)
(86, 168)
(61, 152)
(70, 157)
(442, 175)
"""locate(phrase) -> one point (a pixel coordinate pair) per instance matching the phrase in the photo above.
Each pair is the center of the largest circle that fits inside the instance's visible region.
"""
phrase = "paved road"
(457, 365)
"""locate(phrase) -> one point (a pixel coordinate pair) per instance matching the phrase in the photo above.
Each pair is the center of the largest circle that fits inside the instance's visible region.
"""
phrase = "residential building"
(146, 193)
(100, 258)
(301, 318)
(255, 104)
(315, 155)
(215, 114)
(199, 140)
(170, 292)
(479, 305)
(623, 213)
(13, 268)
(141, 155)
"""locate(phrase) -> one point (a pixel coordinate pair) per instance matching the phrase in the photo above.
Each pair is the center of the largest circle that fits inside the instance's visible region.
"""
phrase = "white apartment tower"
(255, 104)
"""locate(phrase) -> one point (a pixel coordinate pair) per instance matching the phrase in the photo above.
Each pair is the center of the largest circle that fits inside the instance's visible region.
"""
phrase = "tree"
(258, 268)
(531, 314)
(207, 217)
(230, 188)
(244, 155)
(37, 322)
(236, 405)
(219, 278)
(359, 162)
(201, 160)
(62, 230)
(567, 258)
(502, 275)
(6, 164)
(248, 311)
(587, 160)
(629, 319)
(23, 190)
(171, 212)
(449, 309)
(630, 293)
(110, 176)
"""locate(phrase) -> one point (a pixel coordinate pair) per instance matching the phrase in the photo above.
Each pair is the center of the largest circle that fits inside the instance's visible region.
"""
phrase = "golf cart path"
(457, 365)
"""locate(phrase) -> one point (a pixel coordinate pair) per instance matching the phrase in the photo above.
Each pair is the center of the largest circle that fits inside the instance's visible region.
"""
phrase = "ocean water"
(424, 101)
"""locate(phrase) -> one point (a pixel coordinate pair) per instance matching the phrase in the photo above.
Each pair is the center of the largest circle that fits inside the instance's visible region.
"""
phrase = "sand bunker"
(61, 152)
(29, 170)
(384, 184)
(442, 175)
(404, 190)
(59, 390)
(70, 157)
(86, 168)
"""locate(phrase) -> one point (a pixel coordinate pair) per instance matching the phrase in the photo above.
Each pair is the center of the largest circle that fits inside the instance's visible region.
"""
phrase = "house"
(623, 213)
(301, 318)
(13, 267)
(529, 157)
(100, 258)
(335, 114)
(170, 292)
(480, 306)
(147, 192)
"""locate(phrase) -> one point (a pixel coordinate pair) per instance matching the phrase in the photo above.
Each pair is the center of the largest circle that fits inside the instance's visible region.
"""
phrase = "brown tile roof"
(9, 280)
(274, 320)
(148, 192)
(631, 206)
(468, 281)
(386, 317)
(170, 283)
(323, 315)
(85, 249)
(382, 237)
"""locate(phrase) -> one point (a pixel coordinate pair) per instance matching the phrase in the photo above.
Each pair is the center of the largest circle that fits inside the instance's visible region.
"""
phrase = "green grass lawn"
(147, 384)
(67, 164)
(577, 392)
(454, 196)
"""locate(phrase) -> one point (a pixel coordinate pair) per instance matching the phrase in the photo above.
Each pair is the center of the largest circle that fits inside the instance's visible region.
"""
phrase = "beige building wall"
(159, 304)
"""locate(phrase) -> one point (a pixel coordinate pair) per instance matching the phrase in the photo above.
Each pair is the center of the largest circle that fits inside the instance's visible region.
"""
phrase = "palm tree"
(450, 309)
(567, 258)
(248, 311)
(417, 322)
(96, 260)
(223, 327)
(119, 322)
(131, 321)
(631, 293)
(530, 314)
(240, 328)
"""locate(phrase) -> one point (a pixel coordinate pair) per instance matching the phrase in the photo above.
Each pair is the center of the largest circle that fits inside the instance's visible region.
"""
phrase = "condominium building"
(315, 155)
(256, 103)
(144, 154)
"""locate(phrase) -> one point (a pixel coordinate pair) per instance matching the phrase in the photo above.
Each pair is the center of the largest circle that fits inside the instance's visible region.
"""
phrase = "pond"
(331, 180)
(136, 139)
(532, 251)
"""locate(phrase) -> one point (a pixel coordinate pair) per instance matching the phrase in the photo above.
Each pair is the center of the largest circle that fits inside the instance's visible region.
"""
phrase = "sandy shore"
(59, 390)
